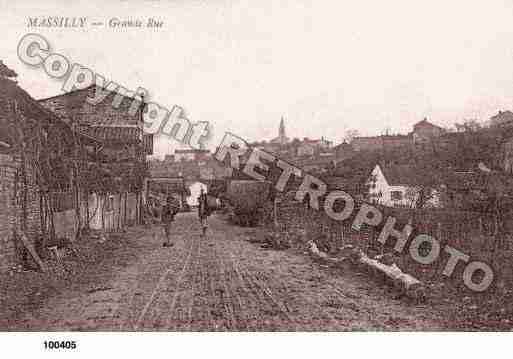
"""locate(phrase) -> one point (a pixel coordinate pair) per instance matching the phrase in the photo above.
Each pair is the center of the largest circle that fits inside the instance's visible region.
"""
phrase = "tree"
(468, 125)
(349, 135)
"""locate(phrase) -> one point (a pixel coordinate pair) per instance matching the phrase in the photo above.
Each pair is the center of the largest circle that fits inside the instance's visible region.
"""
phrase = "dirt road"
(225, 283)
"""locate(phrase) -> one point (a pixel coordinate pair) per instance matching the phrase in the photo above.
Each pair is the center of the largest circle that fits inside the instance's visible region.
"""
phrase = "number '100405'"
(63, 344)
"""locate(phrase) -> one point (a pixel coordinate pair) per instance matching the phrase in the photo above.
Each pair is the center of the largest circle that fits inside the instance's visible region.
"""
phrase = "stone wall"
(7, 212)
(11, 212)
(11, 209)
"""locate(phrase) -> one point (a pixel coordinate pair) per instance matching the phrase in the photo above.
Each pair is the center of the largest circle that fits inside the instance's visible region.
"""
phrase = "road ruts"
(152, 283)
(223, 283)
(272, 297)
(208, 290)
(168, 292)
(212, 284)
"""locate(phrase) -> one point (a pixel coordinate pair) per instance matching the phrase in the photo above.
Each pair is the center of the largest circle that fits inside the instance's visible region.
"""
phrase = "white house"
(195, 190)
(396, 186)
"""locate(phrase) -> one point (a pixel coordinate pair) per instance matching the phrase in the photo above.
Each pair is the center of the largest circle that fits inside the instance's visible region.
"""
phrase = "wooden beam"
(32, 252)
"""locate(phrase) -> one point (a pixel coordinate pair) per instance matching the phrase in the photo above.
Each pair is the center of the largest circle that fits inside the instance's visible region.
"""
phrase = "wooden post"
(102, 198)
(42, 218)
(137, 209)
(125, 204)
(32, 251)
(275, 213)
(88, 214)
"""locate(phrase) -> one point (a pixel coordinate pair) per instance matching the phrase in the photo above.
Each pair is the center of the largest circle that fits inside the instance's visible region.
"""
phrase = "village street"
(223, 283)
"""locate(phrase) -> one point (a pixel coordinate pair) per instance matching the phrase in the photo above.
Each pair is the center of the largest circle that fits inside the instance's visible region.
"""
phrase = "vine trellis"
(54, 159)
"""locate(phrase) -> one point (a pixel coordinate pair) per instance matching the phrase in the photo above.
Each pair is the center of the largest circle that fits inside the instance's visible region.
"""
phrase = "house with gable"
(396, 186)
(41, 157)
(121, 158)
(424, 131)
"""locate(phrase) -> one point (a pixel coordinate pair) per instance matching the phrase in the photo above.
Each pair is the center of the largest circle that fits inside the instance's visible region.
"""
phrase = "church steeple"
(282, 138)
(281, 133)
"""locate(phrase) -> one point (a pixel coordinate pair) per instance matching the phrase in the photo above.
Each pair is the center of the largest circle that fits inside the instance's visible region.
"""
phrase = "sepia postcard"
(255, 166)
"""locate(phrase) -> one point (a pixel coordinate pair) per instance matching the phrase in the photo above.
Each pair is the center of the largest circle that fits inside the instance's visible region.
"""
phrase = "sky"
(325, 66)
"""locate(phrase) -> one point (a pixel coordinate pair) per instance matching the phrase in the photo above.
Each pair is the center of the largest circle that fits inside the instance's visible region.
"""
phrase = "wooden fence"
(62, 201)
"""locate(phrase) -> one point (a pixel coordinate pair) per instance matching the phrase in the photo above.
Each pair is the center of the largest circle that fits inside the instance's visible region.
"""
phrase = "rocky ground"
(219, 283)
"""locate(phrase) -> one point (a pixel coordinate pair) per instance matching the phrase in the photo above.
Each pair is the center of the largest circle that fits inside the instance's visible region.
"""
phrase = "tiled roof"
(425, 123)
(124, 134)
(11, 93)
(74, 105)
(16, 104)
(5, 71)
(400, 175)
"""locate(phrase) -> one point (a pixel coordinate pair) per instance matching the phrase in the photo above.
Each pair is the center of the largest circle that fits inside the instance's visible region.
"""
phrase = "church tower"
(281, 133)
(282, 138)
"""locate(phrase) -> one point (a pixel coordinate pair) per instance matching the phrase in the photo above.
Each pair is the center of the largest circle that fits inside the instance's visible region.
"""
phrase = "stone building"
(378, 143)
(14, 217)
(311, 147)
(36, 148)
(425, 131)
(117, 195)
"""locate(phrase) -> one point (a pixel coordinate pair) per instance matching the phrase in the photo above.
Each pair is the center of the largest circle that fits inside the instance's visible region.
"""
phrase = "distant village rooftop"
(191, 151)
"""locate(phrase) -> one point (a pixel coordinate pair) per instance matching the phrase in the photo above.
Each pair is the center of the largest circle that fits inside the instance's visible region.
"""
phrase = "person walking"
(169, 211)
(203, 212)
